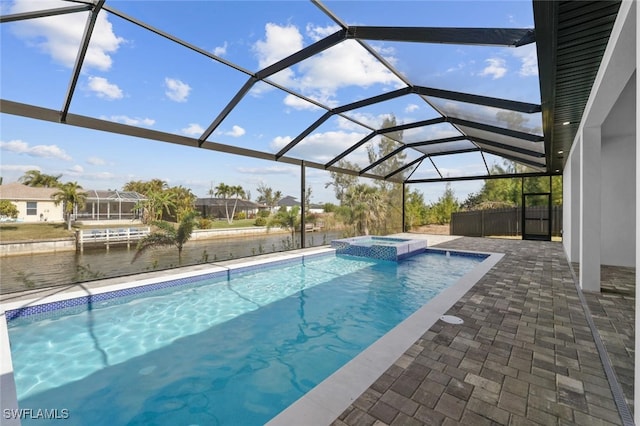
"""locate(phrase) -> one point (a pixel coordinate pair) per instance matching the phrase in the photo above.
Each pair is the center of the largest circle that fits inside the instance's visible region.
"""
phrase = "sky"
(134, 77)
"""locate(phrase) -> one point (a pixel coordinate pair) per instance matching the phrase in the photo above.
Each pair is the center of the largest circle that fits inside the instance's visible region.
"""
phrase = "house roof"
(288, 201)
(18, 191)
(114, 195)
(220, 202)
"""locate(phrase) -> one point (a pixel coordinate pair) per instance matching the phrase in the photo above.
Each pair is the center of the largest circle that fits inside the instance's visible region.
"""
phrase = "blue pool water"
(223, 352)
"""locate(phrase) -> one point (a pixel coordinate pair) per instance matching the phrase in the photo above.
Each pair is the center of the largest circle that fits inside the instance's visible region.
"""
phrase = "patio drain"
(451, 319)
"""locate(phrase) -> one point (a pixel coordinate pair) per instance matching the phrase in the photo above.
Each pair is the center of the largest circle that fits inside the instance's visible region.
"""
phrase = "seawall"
(15, 248)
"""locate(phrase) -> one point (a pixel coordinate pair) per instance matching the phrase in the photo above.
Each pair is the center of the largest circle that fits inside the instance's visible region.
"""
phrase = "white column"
(636, 382)
(575, 204)
(590, 209)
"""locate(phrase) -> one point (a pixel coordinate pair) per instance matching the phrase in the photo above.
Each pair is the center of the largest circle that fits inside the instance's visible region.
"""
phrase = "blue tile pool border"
(227, 273)
(81, 301)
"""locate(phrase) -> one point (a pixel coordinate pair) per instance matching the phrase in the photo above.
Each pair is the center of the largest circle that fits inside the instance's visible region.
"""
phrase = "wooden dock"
(110, 236)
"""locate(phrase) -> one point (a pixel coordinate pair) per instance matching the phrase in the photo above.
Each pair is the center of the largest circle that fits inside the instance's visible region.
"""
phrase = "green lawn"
(33, 231)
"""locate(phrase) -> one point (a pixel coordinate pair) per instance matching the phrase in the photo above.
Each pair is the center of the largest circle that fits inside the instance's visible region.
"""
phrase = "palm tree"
(72, 197)
(237, 192)
(144, 187)
(183, 200)
(367, 208)
(288, 219)
(168, 235)
(37, 179)
(268, 196)
(223, 191)
(160, 201)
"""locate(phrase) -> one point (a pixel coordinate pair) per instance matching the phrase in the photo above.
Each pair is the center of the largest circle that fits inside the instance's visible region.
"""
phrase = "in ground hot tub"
(385, 248)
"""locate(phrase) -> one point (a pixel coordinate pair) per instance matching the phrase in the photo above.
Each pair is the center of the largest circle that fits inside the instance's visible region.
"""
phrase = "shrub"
(261, 221)
(264, 213)
(7, 208)
(204, 223)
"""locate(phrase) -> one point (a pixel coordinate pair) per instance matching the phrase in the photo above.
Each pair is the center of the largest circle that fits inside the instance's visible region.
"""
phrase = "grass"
(46, 231)
(34, 231)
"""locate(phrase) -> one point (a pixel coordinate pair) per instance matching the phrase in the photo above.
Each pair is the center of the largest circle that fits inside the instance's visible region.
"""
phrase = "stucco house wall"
(34, 204)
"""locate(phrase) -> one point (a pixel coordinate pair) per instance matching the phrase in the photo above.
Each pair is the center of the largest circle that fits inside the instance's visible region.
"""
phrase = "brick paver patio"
(525, 354)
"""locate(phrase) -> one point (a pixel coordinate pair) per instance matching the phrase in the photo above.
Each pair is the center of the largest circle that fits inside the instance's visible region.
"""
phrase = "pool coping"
(323, 403)
(328, 400)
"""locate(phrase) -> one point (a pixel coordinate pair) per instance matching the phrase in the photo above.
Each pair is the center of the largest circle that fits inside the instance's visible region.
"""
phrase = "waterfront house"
(34, 204)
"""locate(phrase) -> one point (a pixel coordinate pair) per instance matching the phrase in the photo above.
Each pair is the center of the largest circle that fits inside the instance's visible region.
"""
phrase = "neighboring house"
(111, 205)
(215, 207)
(316, 208)
(288, 202)
(34, 204)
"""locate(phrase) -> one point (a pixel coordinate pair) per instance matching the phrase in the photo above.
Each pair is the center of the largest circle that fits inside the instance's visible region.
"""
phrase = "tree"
(72, 197)
(415, 210)
(159, 201)
(368, 210)
(224, 191)
(389, 194)
(156, 200)
(237, 192)
(342, 181)
(442, 209)
(168, 235)
(268, 196)
(507, 192)
(7, 208)
(183, 200)
(287, 219)
(37, 179)
(144, 187)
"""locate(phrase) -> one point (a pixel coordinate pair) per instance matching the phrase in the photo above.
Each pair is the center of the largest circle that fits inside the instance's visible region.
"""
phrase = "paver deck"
(525, 354)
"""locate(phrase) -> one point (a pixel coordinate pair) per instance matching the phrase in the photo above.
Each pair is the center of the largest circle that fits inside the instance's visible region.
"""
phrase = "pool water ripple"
(220, 352)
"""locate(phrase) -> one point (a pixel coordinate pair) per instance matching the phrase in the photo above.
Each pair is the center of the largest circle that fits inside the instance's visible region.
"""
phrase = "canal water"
(25, 272)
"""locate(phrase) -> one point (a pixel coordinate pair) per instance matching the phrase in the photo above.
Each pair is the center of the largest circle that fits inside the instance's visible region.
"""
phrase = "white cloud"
(528, 57)
(236, 131)
(176, 89)
(220, 50)
(318, 33)
(299, 103)
(280, 142)
(131, 121)
(60, 36)
(96, 161)
(317, 77)
(320, 77)
(104, 89)
(321, 147)
(75, 170)
(411, 108)
(280, 42)
(193, 129)
(373, 121)
(496, 68)
(44, 151)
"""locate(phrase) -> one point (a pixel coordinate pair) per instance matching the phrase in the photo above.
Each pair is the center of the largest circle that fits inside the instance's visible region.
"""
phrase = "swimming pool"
(226, 328)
